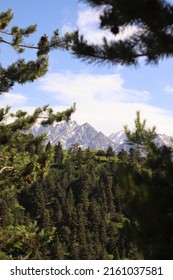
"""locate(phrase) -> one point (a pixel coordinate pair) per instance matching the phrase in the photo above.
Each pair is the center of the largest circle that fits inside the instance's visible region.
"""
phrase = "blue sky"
(106, 97)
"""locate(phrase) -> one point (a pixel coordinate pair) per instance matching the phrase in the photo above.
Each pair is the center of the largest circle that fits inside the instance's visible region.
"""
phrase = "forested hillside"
(82, 204)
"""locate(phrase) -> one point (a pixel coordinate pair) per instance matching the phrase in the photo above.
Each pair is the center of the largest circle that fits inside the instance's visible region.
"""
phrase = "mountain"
(69, 133)
(163, 139)
(82, 135)
(119, 140)
(86, 136)
(100, 142)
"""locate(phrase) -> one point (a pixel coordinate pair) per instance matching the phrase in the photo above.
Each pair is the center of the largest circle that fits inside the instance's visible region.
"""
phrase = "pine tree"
(24, 161)
(58, 154)
(110, 152)
(146, 197)
(152, 39)
(17, 162)
(142, 135)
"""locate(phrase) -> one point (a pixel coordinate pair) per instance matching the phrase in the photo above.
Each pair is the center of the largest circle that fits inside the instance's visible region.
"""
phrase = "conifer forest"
(82, 204)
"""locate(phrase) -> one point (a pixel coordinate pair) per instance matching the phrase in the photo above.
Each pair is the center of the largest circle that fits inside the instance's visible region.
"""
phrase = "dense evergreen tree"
(24, 161)
(146, 193)
(58, 154)
(110, 152)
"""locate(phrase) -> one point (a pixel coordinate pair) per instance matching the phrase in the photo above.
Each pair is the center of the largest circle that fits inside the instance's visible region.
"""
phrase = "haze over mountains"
(86, 136)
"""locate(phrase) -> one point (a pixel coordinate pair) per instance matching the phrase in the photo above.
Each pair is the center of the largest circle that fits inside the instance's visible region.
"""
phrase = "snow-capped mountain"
(70, 133)
(86, 136)
(100, 142)
(120, 141)
(82, 135)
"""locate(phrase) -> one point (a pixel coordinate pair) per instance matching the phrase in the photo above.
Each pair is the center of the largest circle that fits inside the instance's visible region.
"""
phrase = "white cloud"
(67, 27)
(84, 86)
(12, 99)
(88, 22)
(169, 90)
(104, 101)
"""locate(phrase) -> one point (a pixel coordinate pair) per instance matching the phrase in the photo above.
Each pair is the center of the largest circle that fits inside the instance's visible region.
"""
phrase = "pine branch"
(20, 45)
(153, 39)
(21, 71)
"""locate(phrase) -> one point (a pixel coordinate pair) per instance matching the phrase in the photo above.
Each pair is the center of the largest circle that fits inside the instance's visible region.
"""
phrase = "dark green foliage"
(101, 153)
(146, 192)
(70, 210)
(58, 155)
(152, 40)
(70, 205)
(24, 163)
(110, 152)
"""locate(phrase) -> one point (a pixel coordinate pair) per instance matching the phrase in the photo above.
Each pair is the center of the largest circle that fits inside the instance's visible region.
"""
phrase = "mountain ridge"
(69, 133)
